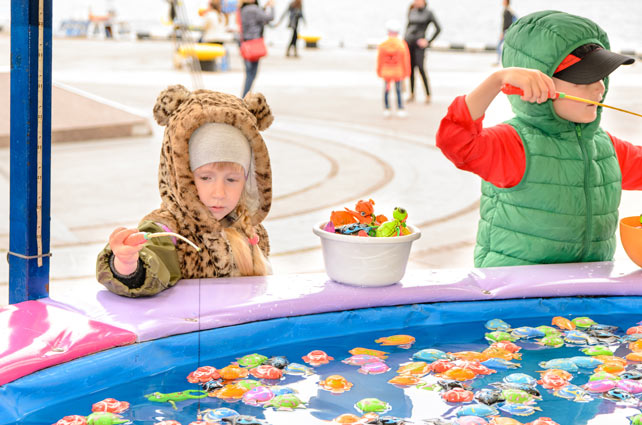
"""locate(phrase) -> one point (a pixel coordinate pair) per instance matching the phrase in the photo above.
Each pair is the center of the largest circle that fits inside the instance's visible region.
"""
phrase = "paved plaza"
(330, 146)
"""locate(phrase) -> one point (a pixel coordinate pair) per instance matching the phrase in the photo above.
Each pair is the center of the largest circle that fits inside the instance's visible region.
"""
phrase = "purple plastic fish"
(600, 386)
(374, 368)
(629, 385)
(361, 359)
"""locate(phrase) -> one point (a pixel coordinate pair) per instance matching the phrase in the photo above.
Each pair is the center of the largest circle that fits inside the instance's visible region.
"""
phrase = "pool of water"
(163, 365)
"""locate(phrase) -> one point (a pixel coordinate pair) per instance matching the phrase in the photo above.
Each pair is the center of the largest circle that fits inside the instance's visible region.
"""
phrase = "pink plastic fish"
(375, 368)
(630, 385)
(361, 359)
(600, 386)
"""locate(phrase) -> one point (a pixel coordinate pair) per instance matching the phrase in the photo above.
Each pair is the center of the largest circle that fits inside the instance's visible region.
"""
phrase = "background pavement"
(330, 146)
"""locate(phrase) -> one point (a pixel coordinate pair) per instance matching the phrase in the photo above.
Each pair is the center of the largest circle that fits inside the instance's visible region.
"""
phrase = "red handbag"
(253, 50)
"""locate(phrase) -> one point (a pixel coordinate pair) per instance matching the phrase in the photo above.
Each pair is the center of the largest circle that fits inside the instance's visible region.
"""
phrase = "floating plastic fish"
(562, 323)
(506, 345)
(578, 338)
(512, 395)
(258, 396)
(402, 341)
(375, 368)
(457, 395)
(347, 418)
(286, 402)
(586, 362)
(280, 390)
(361, 359)
(215, 415)
(414, 368)
(599, 386)
(497, 325)
(500, 364)
(636, 346)
(597, 350)
(278, 361)
(377, 353)
(203, 374)
(232, 372)
(489, 396)
(476, 367)
(468, 420)
(526, 388)
(248, 384)
(251, 360)
(266, 372)
(404, 381)
(430, 355)
(336, 384)
(527, 332)
(518, 409)
(636, 420)
(520, 378)
(105, 418)
(72, 420)
(603, 376)
(618, 394)
(470, 356)
(634, 330)
(500, 353)
(482, 410)
(554, 341)
(496, 336)
(317, 358)
(583, 322)
(564, 364)
(229, 392)
(543, 420)
(548, 330)
(110, 405)
(573, 393)
(440, 366)
(240, 420)
(298, 369)
(631, 374)
(630, 386)
(503, 420)
(458, 374)
(552, 381)
(372, 405)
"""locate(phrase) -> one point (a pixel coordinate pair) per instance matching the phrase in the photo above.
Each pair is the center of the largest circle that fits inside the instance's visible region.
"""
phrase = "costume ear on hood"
(182, 112)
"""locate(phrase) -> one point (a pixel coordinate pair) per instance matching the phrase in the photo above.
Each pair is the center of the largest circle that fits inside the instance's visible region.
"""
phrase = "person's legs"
(413, 64)
(399, 99)
(386, 100)
(422, 72)
(251, 69)
(295, 37)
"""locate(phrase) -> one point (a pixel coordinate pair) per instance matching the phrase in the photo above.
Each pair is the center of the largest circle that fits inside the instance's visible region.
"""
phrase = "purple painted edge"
(231, 301)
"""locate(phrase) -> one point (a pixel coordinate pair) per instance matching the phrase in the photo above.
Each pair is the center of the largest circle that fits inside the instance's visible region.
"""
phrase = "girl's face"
(220, 186)
(572, 110)
(419, 4)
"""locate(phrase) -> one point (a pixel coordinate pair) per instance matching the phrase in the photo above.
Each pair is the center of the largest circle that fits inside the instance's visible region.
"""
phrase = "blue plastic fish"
(564, 364)
(497, 325)
(477, 410)
(520, 378)
(526, 332)
(586, 362)
(215, 415)
(573, 393)
(518, 409)
(497, 363)
(578, 338)
(298, 369)
(430, 355)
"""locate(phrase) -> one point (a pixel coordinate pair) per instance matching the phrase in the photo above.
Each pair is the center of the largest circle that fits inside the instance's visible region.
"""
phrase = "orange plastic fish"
(564, 374)
(414, 368)
(502, 420)
(471, 356)
(634, 357)
(612, 359)
(507, 345)
(404, 380)
(614, 368)
(347, 418)
(458, 374)
(501, 353)
(336, 384)
(563, 323)
(403, 341)
(232, 372)
(636, 346)
(341, 218)
(360, 350)
(229, 392)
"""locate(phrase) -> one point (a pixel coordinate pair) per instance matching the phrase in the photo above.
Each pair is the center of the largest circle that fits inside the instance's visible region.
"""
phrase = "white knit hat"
(216, 142)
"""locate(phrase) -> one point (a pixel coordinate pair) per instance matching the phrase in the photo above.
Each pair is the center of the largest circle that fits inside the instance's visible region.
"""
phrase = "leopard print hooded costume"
(182, 112)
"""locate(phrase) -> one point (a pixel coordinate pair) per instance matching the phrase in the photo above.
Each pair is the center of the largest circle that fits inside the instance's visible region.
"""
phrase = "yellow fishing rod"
(509, 89)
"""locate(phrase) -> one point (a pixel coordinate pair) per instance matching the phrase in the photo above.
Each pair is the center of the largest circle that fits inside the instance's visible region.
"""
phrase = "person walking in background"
(419, 18)
(253, 19)
(214, 24)
(294, 13)
(508, 17)
(393, 65)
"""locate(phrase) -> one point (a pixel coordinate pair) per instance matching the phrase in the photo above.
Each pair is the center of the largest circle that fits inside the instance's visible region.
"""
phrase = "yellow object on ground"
(203, 51)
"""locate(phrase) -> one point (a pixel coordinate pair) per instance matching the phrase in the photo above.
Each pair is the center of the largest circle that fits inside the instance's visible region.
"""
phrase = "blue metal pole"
(30, 150)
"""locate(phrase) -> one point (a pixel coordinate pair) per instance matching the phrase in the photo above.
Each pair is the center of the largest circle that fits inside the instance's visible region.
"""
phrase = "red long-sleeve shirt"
(496, 154)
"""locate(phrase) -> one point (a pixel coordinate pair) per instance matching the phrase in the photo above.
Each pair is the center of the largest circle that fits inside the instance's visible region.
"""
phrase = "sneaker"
(386, 113)
(401, 113)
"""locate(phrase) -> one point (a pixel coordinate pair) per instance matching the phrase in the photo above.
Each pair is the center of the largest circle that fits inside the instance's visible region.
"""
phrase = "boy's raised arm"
(537, 87)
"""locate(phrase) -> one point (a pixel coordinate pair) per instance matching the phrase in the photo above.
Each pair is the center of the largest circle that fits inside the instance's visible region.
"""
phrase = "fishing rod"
(510, 90)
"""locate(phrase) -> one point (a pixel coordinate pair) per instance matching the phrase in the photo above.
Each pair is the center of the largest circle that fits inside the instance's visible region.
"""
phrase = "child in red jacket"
(393, 65)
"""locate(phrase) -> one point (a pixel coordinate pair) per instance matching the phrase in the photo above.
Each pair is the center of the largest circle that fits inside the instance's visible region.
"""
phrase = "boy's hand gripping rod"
(509, 89)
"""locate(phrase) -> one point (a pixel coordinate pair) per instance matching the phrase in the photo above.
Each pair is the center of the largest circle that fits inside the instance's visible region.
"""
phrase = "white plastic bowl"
(365, 261)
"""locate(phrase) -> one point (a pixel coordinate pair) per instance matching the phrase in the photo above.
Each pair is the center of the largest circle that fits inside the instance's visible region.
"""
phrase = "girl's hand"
(537, 86)
(125, 256)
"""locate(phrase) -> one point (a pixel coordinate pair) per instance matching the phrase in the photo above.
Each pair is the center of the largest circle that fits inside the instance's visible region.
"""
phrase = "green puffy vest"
(565, 207)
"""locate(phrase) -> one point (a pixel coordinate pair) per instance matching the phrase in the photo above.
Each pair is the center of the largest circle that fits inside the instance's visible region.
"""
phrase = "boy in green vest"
(552, 176)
